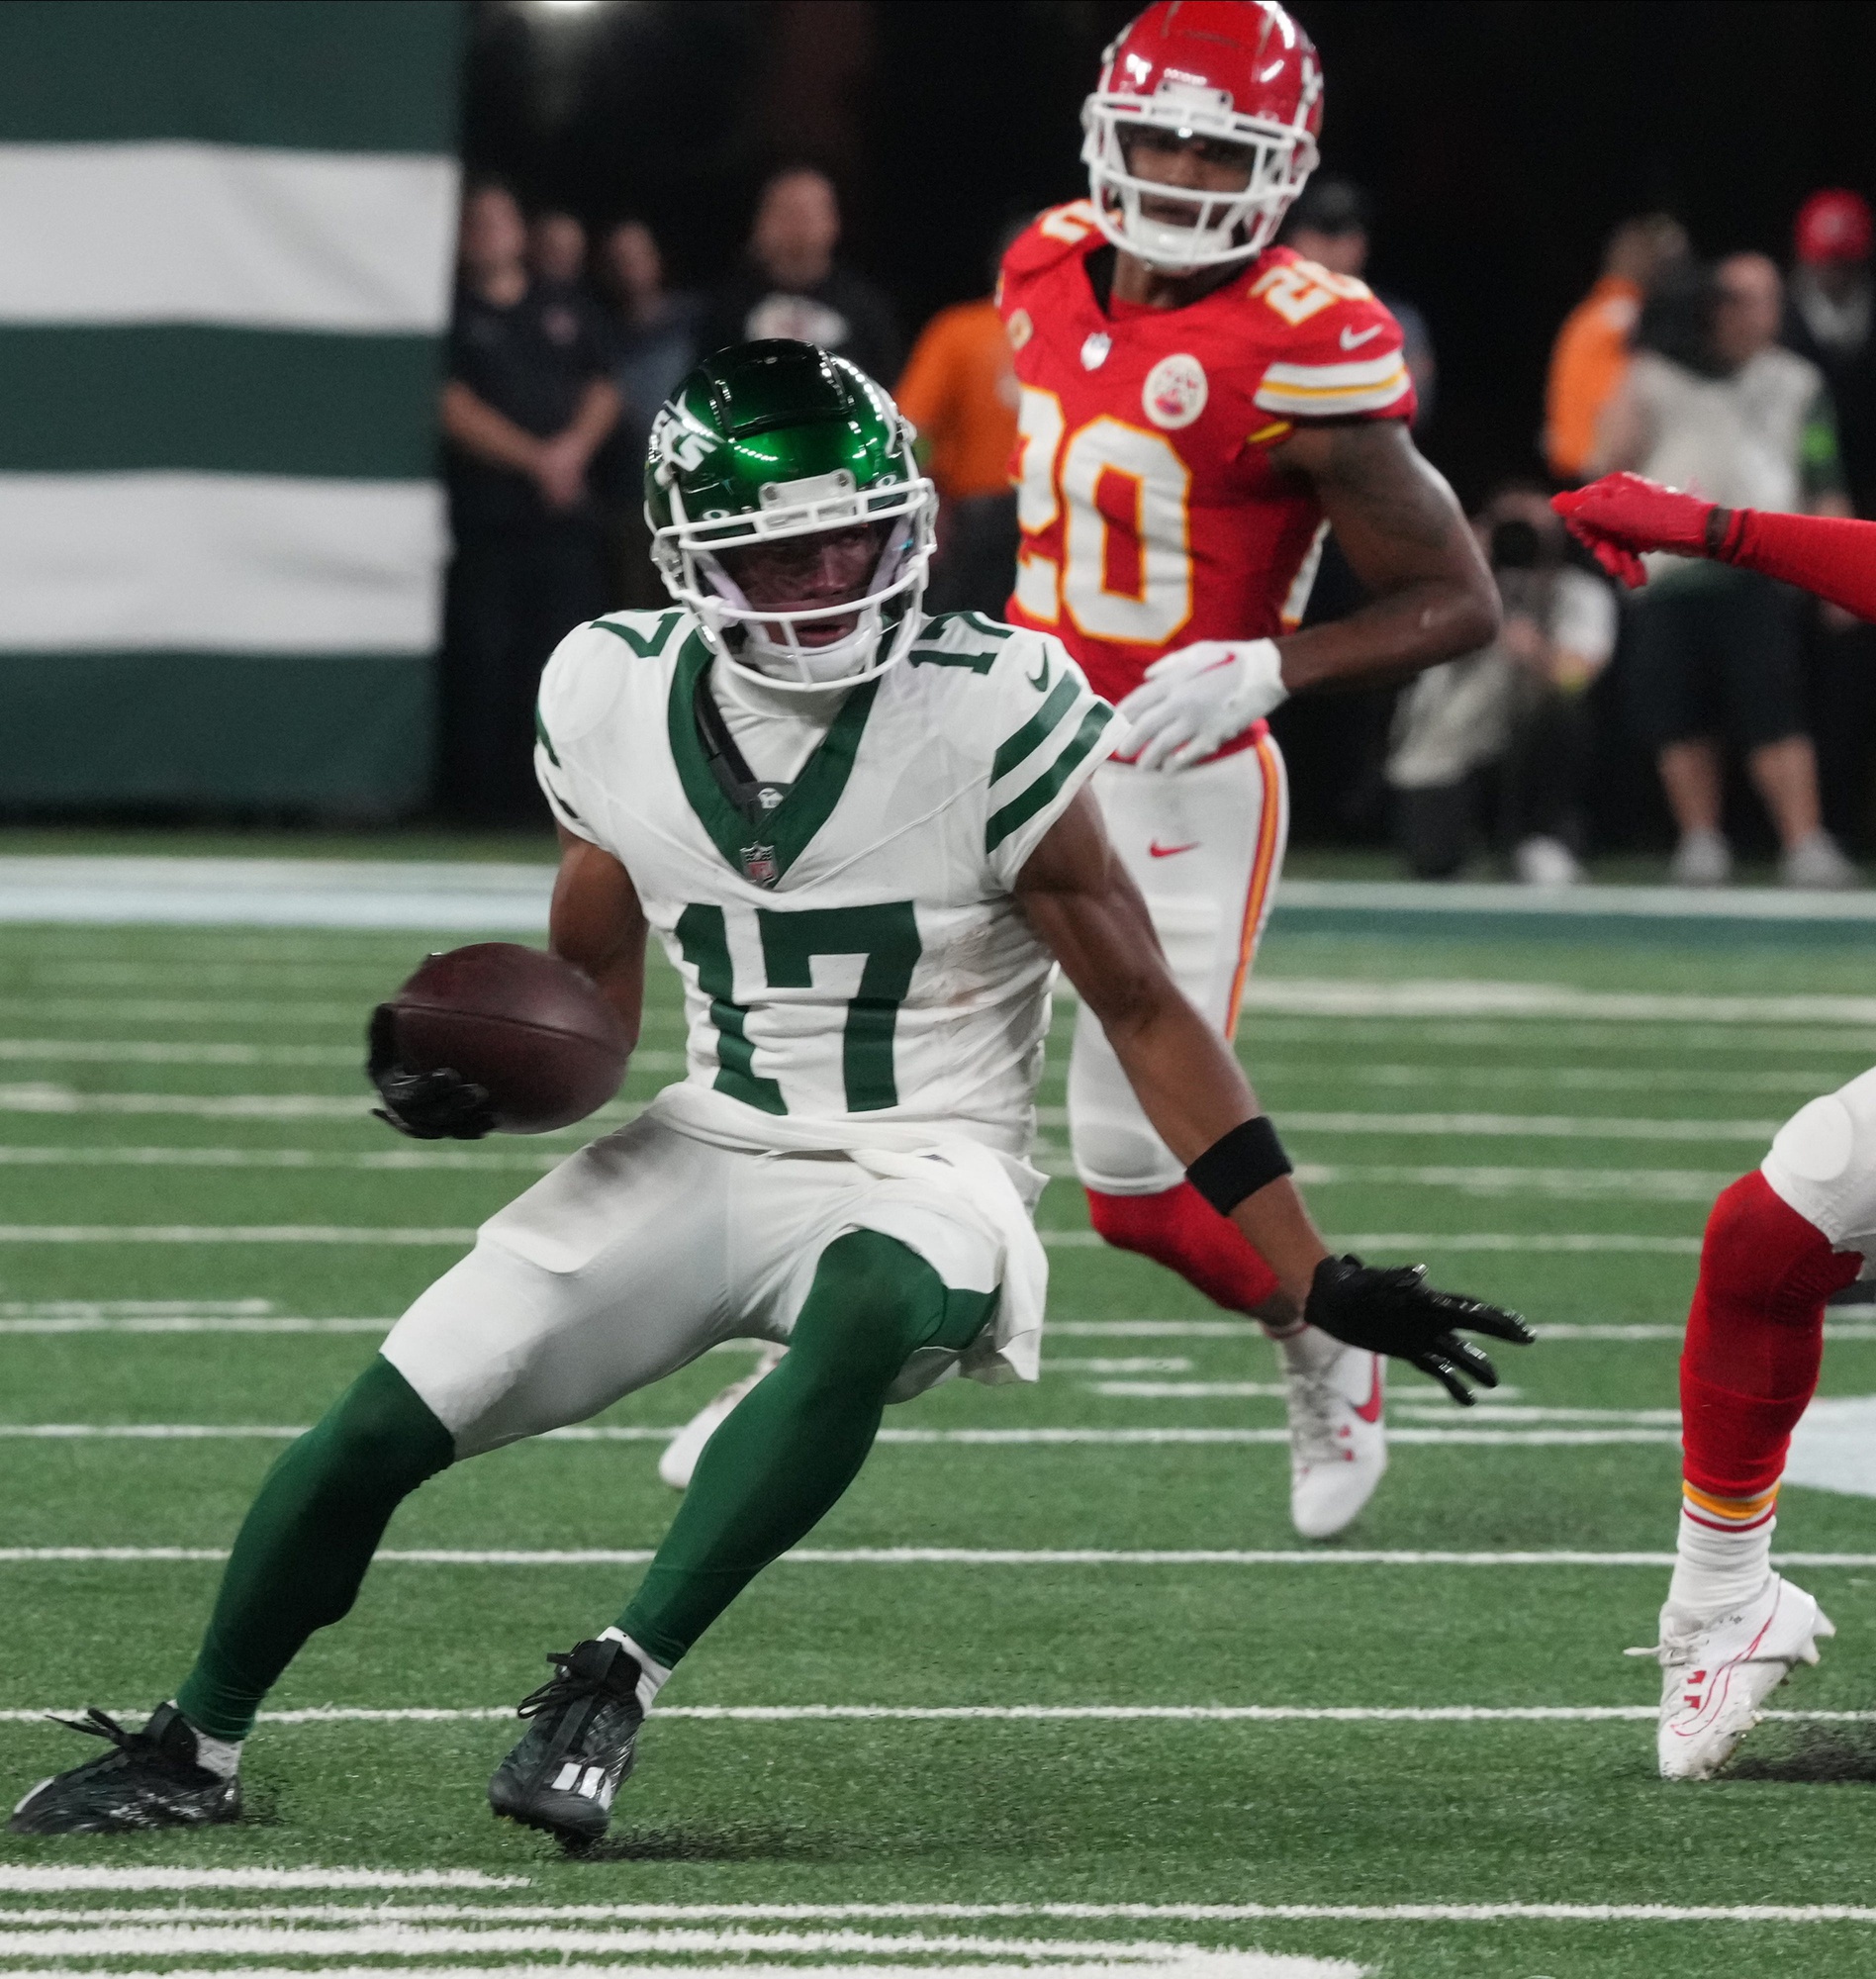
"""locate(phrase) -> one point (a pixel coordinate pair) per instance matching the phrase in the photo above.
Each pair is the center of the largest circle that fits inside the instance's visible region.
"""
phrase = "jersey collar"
(761, 853)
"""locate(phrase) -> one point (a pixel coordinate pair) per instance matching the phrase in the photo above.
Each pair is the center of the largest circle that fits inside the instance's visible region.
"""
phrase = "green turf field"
(203, 1232)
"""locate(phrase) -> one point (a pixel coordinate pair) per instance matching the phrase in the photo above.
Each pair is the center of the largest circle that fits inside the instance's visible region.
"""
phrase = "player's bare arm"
(1086, 910)
(1406, 541)
(595, 922)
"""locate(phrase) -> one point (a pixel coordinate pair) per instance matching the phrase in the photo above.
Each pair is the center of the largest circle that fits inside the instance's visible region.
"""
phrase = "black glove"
(438, 1105)
(1397, 1312)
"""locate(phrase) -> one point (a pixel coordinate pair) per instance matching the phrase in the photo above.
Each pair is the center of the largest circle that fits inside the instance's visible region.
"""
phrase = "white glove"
(1193, 701)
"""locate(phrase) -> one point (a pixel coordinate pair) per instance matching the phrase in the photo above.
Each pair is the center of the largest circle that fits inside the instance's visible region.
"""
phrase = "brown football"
(531, 1029)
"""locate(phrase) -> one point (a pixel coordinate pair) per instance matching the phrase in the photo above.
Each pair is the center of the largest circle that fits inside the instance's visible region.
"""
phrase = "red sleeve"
(1827, 556)
(1335, 352)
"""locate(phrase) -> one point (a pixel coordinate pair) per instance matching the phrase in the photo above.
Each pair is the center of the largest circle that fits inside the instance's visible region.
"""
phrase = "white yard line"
(1129, 1364)
(1023, 1557)
(53, 1879)
(195, 1324)
(130, 1308)
(1528, 1126)
(175, 1010)
(1014, 1438)
(494, 1160)
(1341, 996)
(1153, 1329)
(1799, 1080)
(1645, 1184)
(738, 1950)
(230, 1233)
(1027, 1714)
(1187, 1391)
(1220, 1329)
(44, 1097)
(140, 1051)
(1419, 1912)
(519, 1910)
(1697, 1185)
(1492, 1411)
(464, 1234)
(1588, 1241)
(1196, 1962)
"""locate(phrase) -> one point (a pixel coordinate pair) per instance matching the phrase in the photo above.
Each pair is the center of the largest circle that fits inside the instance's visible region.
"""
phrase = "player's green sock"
(307, 1540)
(797, 1440)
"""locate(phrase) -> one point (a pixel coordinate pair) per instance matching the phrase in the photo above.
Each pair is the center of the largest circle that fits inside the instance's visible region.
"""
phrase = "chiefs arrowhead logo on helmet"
(1238, 73)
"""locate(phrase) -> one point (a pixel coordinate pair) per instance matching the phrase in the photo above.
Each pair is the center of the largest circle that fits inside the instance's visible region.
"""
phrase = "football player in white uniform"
(865, 840)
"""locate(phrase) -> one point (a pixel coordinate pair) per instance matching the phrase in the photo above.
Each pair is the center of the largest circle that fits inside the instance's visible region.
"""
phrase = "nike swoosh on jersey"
(1354, 341)
(1157, 851)
(1040, 678)
(1370, 1410)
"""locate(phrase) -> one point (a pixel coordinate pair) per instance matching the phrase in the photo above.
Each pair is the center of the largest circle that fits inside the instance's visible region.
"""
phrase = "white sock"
(652, 1675)
(1307, 1351)
(220, 1757)
(1717, 1570)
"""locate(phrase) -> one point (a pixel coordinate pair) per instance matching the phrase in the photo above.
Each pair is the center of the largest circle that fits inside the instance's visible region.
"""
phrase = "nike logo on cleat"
(1353, 340)
(1370, 1410)
(1157, 851)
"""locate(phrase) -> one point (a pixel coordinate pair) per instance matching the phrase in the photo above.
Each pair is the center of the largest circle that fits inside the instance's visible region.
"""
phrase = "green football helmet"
(773, 440)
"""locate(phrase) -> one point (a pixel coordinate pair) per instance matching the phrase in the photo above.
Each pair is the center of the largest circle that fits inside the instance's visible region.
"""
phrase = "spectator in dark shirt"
(1329, 224)
(557, 248)
(791, 285)
(654, 330)
(654, 343)
(527, 402)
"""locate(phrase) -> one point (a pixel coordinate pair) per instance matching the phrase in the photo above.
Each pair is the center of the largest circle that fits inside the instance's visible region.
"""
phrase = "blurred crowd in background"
(1752, 384)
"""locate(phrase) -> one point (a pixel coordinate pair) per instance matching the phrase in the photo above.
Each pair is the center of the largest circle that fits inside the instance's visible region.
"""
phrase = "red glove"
(1622, 514)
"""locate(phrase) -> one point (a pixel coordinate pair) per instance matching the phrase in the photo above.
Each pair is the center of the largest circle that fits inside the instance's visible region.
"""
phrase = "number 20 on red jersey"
(1058, 471)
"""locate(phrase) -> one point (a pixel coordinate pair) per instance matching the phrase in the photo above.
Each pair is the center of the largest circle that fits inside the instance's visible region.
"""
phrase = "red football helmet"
(1238, 71)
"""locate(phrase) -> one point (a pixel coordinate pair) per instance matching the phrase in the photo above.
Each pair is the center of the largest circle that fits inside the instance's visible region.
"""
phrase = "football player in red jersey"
(1778, 1244)
(1198, 407)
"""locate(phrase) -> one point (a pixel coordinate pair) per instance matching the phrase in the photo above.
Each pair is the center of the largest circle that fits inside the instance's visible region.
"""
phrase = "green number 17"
(887, 935)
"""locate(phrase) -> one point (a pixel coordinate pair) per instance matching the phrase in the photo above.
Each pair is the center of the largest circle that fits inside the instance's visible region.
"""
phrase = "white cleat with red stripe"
(1717, 1671)
(1338, 1439)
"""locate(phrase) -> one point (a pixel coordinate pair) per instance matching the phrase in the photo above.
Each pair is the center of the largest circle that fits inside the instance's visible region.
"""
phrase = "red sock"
(1180, 1229)
(1755, 1339)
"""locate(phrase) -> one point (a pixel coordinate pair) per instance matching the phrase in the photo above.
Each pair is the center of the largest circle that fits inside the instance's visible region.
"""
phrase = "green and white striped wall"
(225, 238)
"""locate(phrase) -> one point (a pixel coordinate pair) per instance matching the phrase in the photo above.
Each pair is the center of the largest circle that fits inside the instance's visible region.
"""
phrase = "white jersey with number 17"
(854, 953)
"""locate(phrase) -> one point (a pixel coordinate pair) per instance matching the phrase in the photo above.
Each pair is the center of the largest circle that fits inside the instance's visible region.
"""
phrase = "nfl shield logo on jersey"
(759, 867)
(1176, 391)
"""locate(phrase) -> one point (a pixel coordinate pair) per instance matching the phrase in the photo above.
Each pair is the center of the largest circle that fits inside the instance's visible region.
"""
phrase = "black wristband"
(1239, 1164)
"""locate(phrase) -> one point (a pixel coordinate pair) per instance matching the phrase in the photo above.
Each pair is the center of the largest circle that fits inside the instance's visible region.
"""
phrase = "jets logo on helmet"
(775, 463)
(1237, 72)
(678, 446)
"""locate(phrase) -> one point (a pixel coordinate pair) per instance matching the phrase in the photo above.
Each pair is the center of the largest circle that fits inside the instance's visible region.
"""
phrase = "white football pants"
(1205, 847)
(638, 1253)
(1822, 1163)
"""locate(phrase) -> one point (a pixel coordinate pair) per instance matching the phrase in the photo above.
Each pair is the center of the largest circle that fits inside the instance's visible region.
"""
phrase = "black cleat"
(564, 1774)
(148, 1779)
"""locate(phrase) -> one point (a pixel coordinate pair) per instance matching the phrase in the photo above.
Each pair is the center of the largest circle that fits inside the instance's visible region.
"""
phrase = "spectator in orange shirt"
(959, 389)
(1591, 353)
